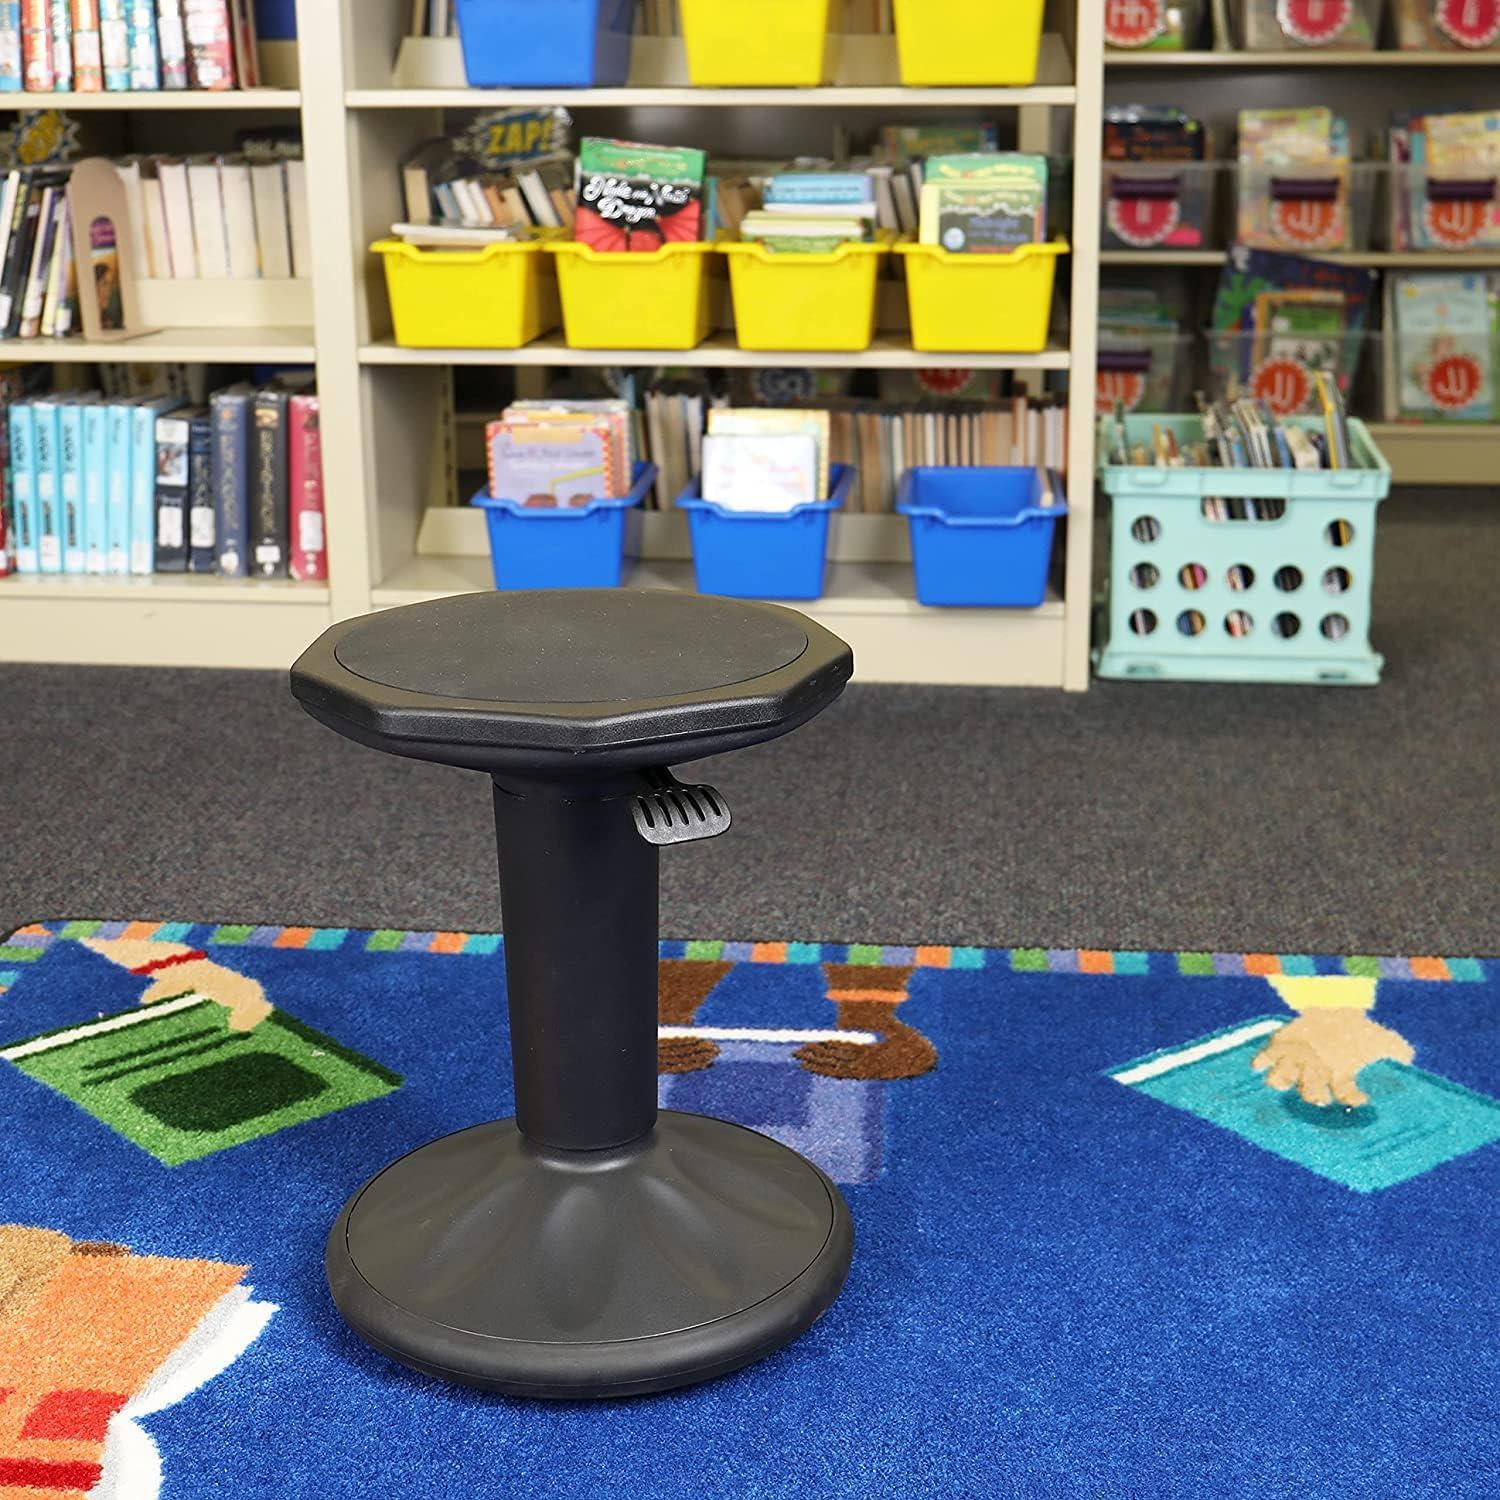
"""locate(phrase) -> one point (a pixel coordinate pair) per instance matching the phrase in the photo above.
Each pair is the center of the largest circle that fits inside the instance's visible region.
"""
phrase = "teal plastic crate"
(1240, 575)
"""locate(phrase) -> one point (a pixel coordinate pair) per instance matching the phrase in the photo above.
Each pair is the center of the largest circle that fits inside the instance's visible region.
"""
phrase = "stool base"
(484, 1259)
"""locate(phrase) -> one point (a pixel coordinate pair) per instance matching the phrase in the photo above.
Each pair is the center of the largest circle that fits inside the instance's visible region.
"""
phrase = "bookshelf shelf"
(1311, 57)
(1055, 95)
(719, 351)
(1415, 260)
(1430, 453)
(168, 588)
(185, 345)
(160, 99)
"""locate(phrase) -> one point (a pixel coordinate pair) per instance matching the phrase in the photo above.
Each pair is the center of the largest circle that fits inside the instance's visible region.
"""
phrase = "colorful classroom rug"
(1129, 1224)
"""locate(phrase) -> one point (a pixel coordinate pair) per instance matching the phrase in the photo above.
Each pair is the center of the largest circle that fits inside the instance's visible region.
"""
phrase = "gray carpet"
(1137, 816)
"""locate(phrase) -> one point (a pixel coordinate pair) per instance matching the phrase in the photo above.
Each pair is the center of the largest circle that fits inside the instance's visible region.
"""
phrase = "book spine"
(114, 45)
(145, 66)
(209, 33)
(96, 487)
(12, 71)
(117, 480)
(48, 522)
(88, 55)
(61, 22)
(268, 487)
(36, 45)
(15, 254)
(70, 485)
(202, 548)
(7, 502)
(231, 481)
(143, 487)
(34, 298)
(172, 437)
(22, 425)
(171, 44)
(308, 532)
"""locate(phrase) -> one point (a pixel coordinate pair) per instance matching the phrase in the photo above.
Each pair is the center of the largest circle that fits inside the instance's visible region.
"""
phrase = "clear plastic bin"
(1442, 214)
(1240, 575)
(1447, 25)
(1279, 368)
(1144, 372)
(1148, 205)
(1292, 25)
(1441, 377)
(1304, 209)
(1152, 25)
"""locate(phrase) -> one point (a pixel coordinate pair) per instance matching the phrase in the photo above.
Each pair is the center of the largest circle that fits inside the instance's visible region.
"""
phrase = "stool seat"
(592, 681)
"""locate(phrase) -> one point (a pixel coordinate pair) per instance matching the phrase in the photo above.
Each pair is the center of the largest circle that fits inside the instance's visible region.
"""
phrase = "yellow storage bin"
(981, 304)
(658, 299)
(974, 42)
(805, 302)
(758, 43)
(500, 297)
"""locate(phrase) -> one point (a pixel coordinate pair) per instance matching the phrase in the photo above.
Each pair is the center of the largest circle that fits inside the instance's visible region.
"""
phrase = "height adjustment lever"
(672, 813)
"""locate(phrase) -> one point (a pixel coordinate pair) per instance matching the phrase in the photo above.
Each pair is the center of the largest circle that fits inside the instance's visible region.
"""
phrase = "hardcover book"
(309, 540)
(231, 478)
(209, 33)
(144, 417)
(550, 464)
(268, 486)
(48, 488)
(114, 45)
(10, 47)
(171, 44)
(88, 51)
(202, 553)
(173, 433)
(145, 68)
(62, 45)
(36, 45)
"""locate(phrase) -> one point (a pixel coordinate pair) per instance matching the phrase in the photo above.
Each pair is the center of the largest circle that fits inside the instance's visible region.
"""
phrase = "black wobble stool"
(590, 1246)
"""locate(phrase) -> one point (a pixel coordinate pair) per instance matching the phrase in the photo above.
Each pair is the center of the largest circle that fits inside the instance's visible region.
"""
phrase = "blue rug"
(1098, 1253)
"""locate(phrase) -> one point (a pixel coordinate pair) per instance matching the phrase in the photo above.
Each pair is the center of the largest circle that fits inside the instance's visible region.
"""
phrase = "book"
(117, 447)
(158, 261)
(1414, 1121)
(48, 482)
(62, 45)
(173, 431)
(268, 485)
(230, 409)
(299, 224)
(237, 192)
(638, 197)
(611, 413)
(54, 302)
(145, 65)
(114, 45)
(550, 464)
(974, 204)
(209, 33)
(202, 551)
(771, 421)
(177, 211)
(70, 485)
(21, 425)
(44, 244)
(1447, 345)
(36, 46)
(206, 201)
(272, 231)
(306, 524)
(764, 472)
(246, 47)
(171, 44)
(12, 69)
(143, 418)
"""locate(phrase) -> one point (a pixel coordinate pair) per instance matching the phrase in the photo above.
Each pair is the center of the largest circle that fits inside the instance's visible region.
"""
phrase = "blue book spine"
(70, 485)
(143, 481)
(114, 42)
(49, 545)
(61, 19)
(202, 512)
(117, 441)
(231, 480)
(96, 488)
(145, 61)
(23, 484)
(821, 187)
(10, 46)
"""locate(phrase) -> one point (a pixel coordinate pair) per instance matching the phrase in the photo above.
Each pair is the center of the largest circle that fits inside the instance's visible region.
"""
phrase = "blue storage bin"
(546, 43)
(763, 554)
(582, 548)
(980, 537)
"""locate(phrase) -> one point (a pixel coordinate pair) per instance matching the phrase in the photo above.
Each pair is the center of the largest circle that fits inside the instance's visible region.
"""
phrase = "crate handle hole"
(1286, 626)
(1192, 576)
(1337, 580)
(1146, 529)
(1340, 534)
(1335, 627)
(1238, 624)
(1289, 579)
(1145, 575)
(1240, 577)
(1191, 622)
(1143, 621)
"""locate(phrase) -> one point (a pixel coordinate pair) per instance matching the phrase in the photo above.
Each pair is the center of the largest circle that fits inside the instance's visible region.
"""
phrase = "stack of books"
(984, 202)
(561, 455)
(122, 46)
(813, 212)
(105, 485)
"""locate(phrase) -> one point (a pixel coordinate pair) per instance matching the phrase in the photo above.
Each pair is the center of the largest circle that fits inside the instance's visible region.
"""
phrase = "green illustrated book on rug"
(1415, 1120)
(175, 1079)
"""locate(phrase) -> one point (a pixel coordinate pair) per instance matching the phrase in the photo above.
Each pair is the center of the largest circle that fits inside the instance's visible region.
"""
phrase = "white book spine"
(158, 261)
(239, 220)
(135, 203)
(297, 218)
(207, 200)
(268, 183)
(178, 211)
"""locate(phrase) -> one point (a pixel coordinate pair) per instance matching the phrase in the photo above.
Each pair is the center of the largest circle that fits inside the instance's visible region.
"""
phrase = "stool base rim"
(484, 1260)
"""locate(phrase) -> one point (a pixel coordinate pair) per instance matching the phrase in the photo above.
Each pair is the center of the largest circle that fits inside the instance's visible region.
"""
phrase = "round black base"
(484, 1259)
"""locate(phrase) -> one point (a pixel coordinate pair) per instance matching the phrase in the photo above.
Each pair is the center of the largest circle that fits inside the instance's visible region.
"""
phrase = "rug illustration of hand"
(175, 969)
(1333, 1038)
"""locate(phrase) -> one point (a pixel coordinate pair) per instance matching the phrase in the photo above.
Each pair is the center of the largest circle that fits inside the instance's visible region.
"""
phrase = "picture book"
(638, 197)
(610, 412)
(753, 421)
(1295, 179)
(1453, 208)
(1447, 333)
(1141, 132)
(1415, 1120)
(1152, 25)
(973, 204)
(772, 472)
(550, 464)
(901, 144)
